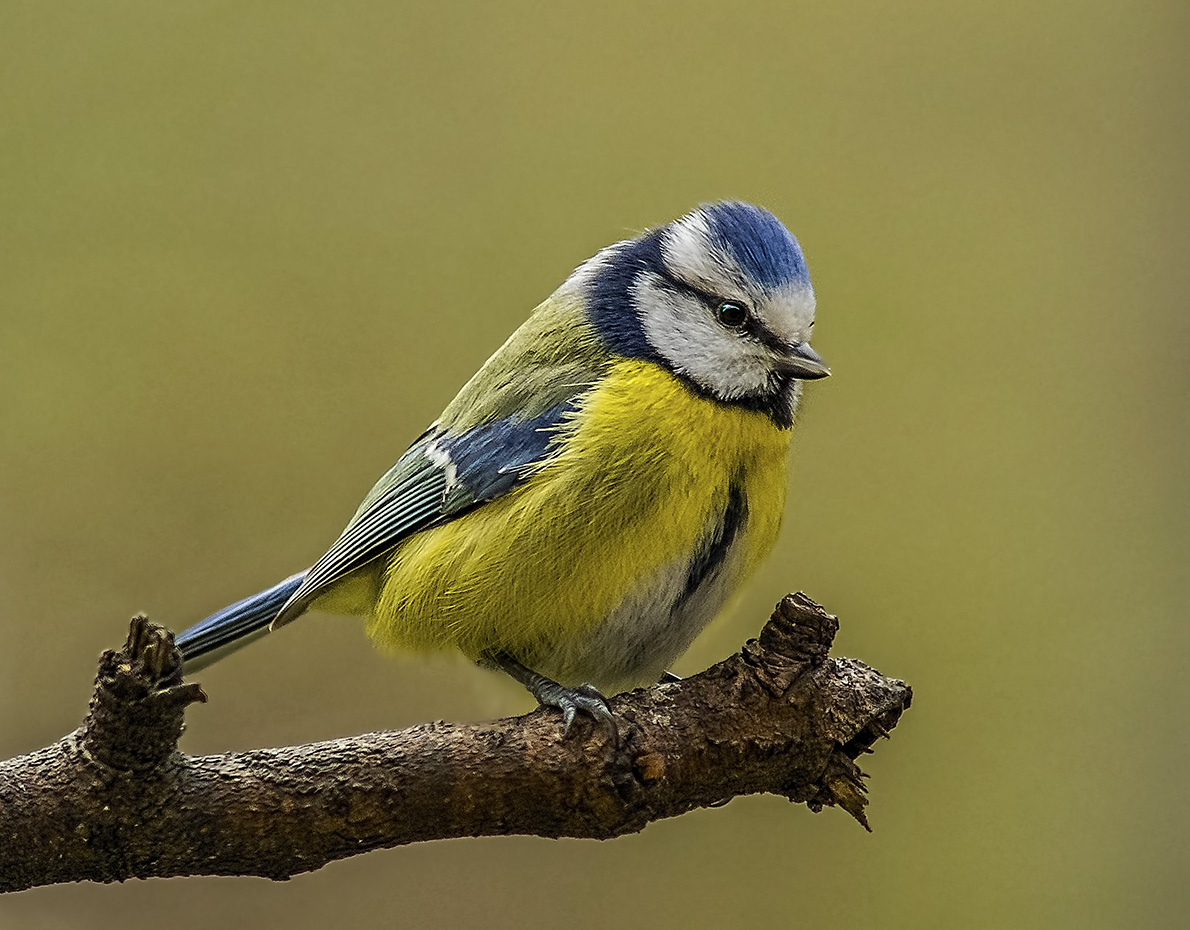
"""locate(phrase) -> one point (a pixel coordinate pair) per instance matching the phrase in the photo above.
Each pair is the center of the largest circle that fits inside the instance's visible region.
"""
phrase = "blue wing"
(439, 478)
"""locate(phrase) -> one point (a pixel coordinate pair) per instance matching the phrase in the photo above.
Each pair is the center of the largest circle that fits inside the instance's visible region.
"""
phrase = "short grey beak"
(803, 363)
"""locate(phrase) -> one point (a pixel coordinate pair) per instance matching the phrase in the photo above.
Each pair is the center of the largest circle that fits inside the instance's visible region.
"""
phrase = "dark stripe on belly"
(715, 547)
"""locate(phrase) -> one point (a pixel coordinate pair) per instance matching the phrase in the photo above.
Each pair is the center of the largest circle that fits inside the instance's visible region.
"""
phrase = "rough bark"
(116, 800)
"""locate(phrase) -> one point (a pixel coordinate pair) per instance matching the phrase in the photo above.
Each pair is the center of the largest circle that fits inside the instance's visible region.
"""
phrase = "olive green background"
(249, 250)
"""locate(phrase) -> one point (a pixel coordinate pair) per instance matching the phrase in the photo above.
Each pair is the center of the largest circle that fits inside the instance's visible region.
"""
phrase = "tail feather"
(232, 627)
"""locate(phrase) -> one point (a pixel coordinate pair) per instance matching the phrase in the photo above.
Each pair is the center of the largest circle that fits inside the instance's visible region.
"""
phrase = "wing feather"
(438, 479)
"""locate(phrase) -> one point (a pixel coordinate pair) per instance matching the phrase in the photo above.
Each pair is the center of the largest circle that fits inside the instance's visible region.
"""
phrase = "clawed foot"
(585, 699)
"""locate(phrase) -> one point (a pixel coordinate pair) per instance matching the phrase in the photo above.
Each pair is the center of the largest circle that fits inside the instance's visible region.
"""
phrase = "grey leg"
(584, 699)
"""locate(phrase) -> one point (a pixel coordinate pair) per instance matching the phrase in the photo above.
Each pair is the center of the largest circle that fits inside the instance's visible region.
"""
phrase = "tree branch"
(116, 800)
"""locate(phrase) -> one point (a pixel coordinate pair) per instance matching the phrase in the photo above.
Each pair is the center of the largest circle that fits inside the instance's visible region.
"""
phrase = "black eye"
(733, 316)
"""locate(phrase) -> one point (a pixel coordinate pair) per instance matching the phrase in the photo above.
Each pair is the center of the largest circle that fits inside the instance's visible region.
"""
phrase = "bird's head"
(721, 297)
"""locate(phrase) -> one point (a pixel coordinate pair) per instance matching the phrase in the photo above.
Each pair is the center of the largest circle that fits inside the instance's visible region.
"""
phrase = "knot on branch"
(136, 712)
(798, 636)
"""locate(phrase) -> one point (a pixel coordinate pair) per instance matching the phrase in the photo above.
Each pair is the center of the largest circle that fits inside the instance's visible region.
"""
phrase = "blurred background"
(248, 252)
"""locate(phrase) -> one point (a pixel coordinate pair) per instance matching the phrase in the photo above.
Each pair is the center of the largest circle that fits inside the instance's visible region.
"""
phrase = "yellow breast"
(642, 471)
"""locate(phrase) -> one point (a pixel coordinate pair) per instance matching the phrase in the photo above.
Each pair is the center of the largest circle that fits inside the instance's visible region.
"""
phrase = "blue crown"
(763, 248)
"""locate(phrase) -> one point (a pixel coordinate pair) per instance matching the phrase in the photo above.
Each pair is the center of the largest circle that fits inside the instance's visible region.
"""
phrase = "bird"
(591, 498)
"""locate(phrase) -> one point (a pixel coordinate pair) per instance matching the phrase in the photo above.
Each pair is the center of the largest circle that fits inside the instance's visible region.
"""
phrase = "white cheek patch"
(682, 332)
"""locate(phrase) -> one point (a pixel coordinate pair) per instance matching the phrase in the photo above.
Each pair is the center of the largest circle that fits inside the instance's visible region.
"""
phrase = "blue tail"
(232, 627)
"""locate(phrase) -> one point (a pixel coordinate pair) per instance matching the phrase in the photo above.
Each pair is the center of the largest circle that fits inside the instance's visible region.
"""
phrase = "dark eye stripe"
(754, 327)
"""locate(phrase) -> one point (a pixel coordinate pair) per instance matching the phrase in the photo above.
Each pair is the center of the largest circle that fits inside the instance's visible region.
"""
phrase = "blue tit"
(594, 494)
